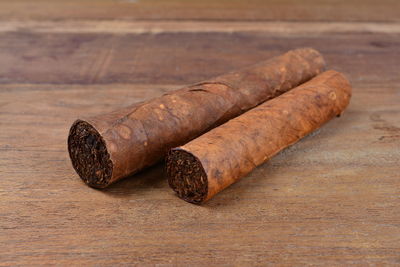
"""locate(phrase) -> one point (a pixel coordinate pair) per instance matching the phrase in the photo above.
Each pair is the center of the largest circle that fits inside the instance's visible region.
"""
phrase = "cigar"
(108, 147)
(205, 166)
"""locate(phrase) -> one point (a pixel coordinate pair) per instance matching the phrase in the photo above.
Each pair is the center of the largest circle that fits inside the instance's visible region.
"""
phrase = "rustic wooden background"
(331, 199)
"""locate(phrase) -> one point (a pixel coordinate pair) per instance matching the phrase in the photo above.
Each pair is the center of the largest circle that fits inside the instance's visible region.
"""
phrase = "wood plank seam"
(166, 26)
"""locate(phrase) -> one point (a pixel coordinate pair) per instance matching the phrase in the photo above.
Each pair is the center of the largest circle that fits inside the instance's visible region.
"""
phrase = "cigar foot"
(187, 176)
(89, 154)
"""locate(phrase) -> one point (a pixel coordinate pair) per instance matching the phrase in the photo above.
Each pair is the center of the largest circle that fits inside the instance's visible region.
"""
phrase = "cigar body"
(203, 167)
(106, 148)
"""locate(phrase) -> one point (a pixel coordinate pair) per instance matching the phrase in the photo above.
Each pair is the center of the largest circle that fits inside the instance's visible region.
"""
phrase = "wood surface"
(331, 199)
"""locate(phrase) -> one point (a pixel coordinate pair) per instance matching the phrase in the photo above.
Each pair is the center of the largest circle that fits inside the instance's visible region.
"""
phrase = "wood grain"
(251, 10)
(79, 58)
(331, 199)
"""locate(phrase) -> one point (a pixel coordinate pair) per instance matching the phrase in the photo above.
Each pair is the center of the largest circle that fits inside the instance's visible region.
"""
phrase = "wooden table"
(331, 199)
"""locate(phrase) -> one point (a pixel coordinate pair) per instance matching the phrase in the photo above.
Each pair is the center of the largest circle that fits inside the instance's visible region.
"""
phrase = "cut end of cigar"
(89, 155)
(186, 176)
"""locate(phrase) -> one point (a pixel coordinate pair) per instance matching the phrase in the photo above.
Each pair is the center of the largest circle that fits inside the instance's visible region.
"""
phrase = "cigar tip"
(306, 50)
(186, 176)
(89, 155)
(311, 55)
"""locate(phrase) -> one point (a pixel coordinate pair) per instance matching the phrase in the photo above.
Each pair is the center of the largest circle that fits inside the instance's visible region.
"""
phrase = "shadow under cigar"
(150, 178)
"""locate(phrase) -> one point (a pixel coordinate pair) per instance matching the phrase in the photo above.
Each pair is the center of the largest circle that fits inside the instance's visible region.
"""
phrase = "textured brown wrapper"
(106, 148)
(205, 166)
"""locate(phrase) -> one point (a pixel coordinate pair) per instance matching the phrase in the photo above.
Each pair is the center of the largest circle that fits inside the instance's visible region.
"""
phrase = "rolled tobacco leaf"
(106, 148)
(208, 164)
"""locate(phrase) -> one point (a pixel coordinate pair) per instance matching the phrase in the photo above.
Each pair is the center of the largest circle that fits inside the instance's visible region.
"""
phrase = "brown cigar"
(106, 148)
(205, 166)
